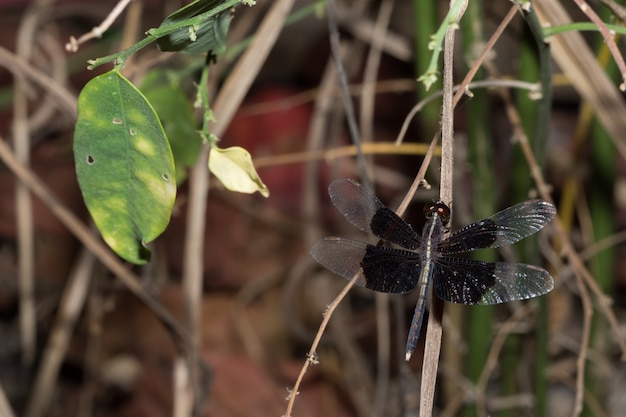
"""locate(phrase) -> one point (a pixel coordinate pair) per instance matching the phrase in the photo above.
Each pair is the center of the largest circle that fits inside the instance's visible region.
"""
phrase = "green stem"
(436, 45)
(580, 27)
(203, 100)
(425, 18)
(156, 33)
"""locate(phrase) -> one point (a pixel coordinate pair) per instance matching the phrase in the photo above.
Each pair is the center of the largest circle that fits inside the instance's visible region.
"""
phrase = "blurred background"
(263, 295)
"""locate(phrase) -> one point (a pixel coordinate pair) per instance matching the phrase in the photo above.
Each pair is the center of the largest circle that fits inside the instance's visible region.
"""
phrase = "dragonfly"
(408, 260)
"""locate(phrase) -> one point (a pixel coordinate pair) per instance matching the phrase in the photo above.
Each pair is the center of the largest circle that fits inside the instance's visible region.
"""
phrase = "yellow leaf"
(233, 167)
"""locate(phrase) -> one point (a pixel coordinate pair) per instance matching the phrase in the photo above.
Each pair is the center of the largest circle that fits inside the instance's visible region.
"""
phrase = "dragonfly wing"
(390, 270)
(356, 203)
(384, 269)
(468, 281)
(503, 228)
(341, 256)
(365, 211)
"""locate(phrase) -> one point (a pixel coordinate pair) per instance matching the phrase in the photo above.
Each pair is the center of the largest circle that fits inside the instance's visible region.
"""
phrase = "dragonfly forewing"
(503, 228)
(355, 202)
(365, 211)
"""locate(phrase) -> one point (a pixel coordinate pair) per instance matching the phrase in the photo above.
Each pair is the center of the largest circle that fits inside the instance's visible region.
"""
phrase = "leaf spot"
(193, 36)
(90, 160)
(144, 147)
(133, 132)
(117, 121)
(165, 177)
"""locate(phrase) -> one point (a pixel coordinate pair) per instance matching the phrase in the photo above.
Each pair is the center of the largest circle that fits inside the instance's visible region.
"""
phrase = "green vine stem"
(156, 33)
(579, 27)
(436, 43)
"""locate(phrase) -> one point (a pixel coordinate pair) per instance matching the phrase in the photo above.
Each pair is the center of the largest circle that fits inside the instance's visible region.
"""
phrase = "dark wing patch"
(384, 269)
(390, 270)
(386, 224)
(365, 211)
(468, 281)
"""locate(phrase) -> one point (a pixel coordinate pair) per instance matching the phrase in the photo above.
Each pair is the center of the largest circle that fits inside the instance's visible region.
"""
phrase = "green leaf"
(207, 35)
(233, 167)
(124, 165)
(176, 113)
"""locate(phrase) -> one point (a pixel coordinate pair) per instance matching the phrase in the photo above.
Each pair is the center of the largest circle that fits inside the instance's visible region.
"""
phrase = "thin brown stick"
(434, 330)
(492, 357)
(584, 342)
(601, 245)
(70, 306)
(329, 155)
(49, 55)
(318, 128)
(463, 86)
(312, 355)
(356, 89)
(461, 89)
(383, 354)
(98, 31)
(5, 405)
(23, 204)
(608, 38)
(364, 29)
(371, 71)
(65, 100)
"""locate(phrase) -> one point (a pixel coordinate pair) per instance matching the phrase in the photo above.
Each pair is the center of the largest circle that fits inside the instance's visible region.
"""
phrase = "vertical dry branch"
(371, 71)
(23, 202)
(5, 406)
(434, 330)
(70, 307)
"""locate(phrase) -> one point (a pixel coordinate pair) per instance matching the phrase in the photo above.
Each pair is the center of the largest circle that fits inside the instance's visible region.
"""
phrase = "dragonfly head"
(438, 208)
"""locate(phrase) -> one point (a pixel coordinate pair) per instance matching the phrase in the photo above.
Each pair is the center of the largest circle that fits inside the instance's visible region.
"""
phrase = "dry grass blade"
(5, 406)
(575, 58)
(608, 38)
(65, 100)
(70, 308)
